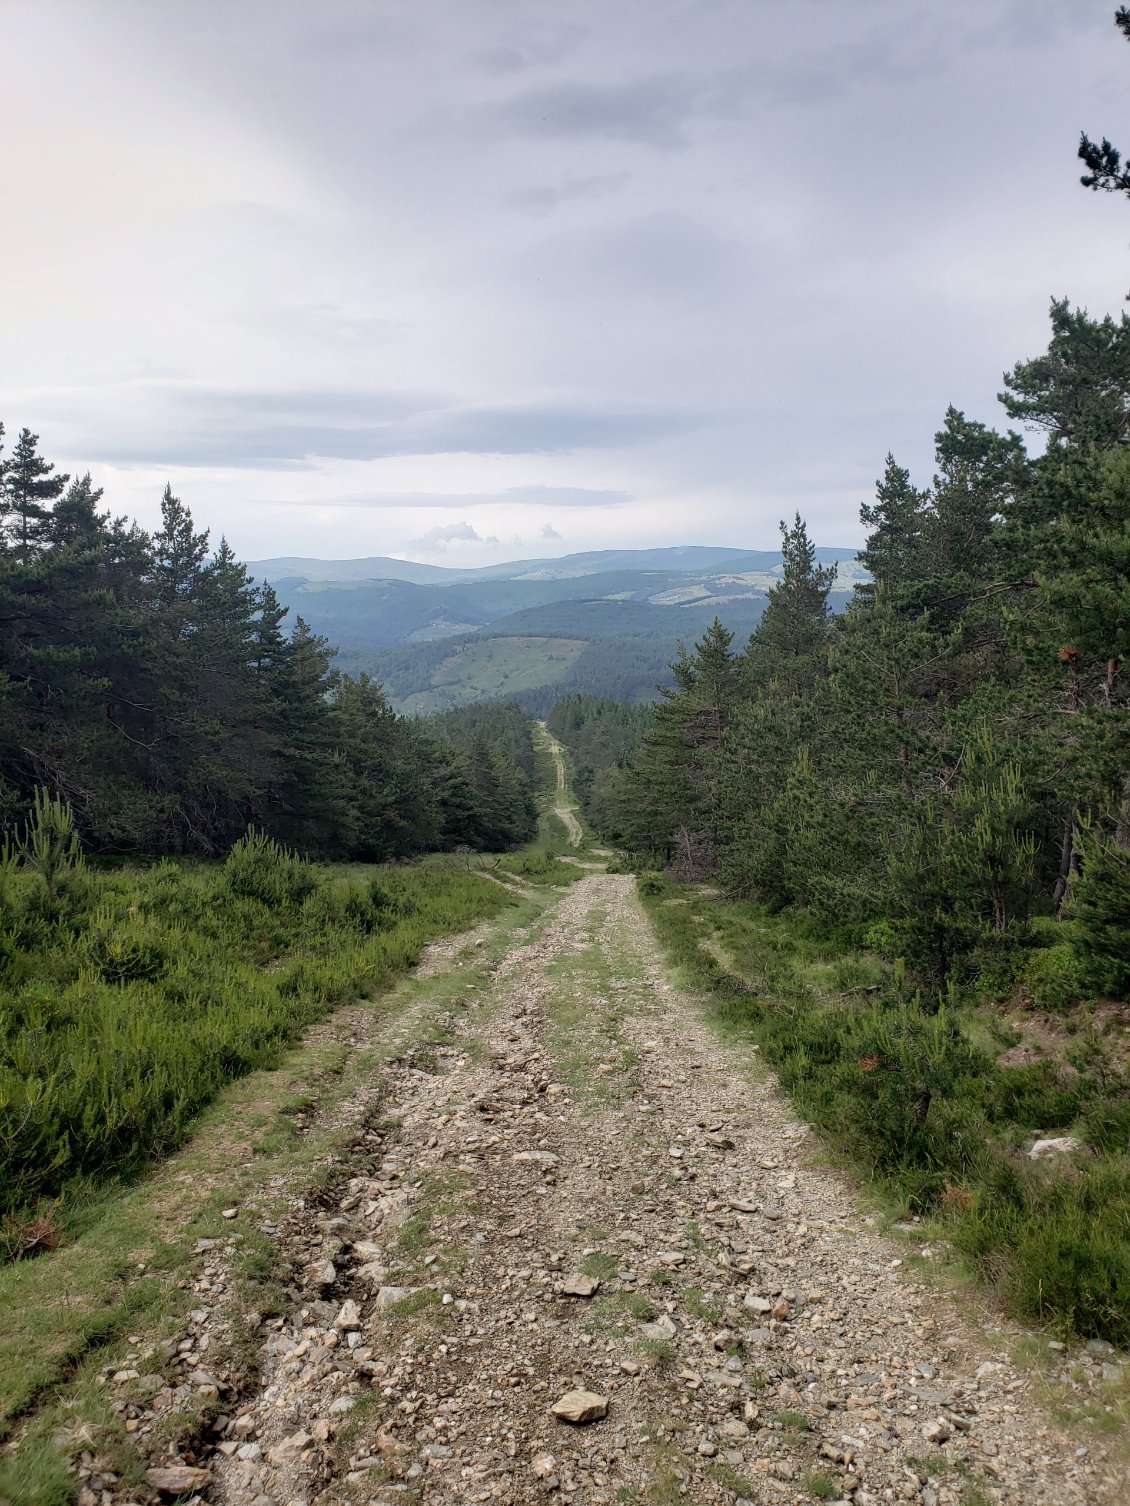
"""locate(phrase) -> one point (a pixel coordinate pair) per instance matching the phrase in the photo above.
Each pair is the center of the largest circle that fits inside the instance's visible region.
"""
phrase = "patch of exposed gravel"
(583, 1190)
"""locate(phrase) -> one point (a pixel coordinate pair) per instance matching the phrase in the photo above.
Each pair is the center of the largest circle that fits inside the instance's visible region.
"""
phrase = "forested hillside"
(948, 759)
(151, 684)
(603, 736)
(619, 649)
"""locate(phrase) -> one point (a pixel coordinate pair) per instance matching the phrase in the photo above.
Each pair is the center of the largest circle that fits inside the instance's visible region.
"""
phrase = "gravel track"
(754, 1339)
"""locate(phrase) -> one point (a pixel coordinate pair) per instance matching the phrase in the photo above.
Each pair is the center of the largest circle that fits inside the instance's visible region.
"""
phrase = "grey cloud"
(733, 251)
(653, 112)
(511, 496)
(661, 111)
(532, 51)
(194, 426)
(665, 254)
(540, 201)
(549, 532)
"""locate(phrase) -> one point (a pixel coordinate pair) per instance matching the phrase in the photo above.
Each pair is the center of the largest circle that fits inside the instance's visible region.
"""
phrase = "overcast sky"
(466, 280)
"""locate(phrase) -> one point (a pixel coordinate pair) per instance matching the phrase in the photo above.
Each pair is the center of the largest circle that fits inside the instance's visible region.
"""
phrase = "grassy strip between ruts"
(115, 1295)
(911, 1090)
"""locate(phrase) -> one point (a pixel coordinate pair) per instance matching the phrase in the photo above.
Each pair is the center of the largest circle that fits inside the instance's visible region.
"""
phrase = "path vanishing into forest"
(563, 809)
(563, 1179)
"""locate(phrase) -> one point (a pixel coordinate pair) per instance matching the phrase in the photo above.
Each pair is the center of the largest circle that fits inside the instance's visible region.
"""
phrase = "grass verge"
(910, 1089)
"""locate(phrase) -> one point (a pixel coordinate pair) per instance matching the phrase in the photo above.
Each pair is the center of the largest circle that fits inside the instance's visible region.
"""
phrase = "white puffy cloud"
(452, 533)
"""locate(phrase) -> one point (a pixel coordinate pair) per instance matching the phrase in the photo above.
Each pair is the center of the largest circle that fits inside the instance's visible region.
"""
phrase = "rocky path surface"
(580, 1194)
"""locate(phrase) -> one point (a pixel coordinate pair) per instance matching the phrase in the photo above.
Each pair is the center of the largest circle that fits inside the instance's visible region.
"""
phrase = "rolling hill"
(608, 621)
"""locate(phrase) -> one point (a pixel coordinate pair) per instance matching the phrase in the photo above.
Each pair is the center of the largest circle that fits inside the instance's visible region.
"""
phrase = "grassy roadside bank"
(133, 996)
(113, 1299)
(928, 1099)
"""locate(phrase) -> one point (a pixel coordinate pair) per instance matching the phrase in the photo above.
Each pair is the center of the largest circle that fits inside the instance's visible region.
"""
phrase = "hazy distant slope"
(627, 609)
(623, 649)
(378, 567)
(681, 559)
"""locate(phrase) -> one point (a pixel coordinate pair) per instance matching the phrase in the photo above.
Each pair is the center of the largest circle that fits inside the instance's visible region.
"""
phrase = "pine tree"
(979, 474)
(1078, 392)
(28, 486)
(897, 521)
(75, 519)
(672, 793)
(790, 645)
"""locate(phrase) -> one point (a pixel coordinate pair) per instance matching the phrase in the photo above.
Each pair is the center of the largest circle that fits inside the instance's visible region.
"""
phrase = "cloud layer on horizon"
(352, 277)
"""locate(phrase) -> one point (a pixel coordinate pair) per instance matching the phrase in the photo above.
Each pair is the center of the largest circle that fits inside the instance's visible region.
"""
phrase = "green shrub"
(650, 884)
(260, 868)
(130, 951)
(1053, 977)
(1058, 1247)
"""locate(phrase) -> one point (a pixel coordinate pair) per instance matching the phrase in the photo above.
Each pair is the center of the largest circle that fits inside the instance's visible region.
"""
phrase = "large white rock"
(1059, 1145)
(580, 1406)
(178, 1479)
(349, 1316)
(388, 1296)
(663, 1329)
(580, 1285)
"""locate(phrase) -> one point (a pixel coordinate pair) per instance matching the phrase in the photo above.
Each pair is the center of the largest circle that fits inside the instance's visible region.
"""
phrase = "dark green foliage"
(602, 736)
(1100, 904)
(1079, 392)
(897, 520)
(670, 798)
(148, 682)
(486, 796)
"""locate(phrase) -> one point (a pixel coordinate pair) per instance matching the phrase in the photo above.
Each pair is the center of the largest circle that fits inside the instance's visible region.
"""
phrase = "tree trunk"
(1066, 863)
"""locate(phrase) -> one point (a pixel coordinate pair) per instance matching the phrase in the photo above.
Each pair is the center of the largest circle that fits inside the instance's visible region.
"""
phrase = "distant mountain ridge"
(679, 558)
(608, 621)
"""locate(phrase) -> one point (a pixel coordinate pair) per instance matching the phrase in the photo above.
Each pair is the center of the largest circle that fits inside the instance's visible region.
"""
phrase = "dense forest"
(602, 736)
(949, 759)
(146, 680)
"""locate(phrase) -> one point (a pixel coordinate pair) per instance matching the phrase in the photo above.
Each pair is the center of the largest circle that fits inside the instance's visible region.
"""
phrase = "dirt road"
(563, 810)
(578, 1127)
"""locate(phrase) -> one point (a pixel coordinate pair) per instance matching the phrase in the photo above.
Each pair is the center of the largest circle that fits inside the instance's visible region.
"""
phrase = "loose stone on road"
(583, 1257)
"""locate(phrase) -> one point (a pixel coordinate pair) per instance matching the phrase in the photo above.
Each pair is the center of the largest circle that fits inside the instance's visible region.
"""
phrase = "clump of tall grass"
(129, 997)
